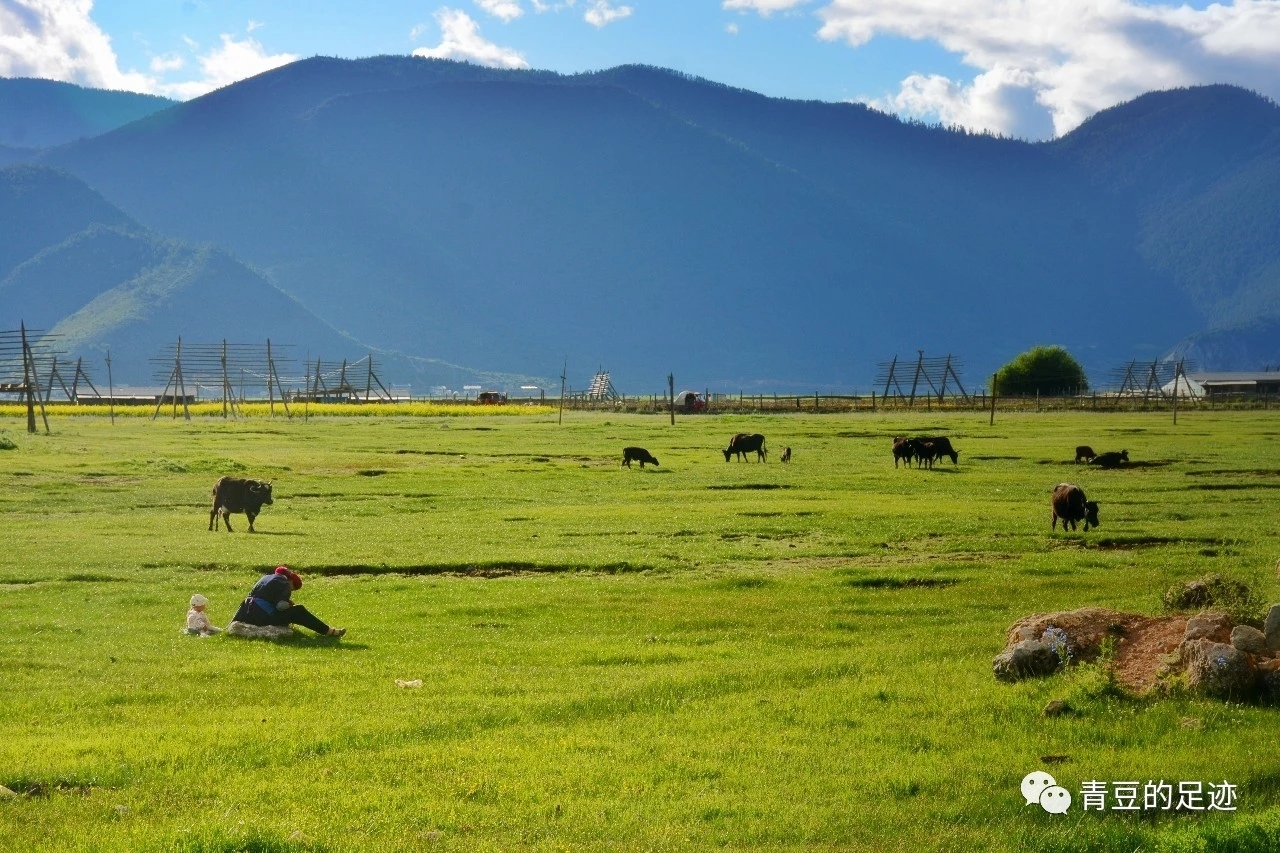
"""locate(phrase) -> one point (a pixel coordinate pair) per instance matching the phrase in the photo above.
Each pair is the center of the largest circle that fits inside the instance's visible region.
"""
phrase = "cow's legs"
(251, 516)
(213, 518)
(226, 518)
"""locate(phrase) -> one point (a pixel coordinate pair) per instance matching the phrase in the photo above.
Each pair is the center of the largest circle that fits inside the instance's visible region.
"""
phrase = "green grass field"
(699, 656)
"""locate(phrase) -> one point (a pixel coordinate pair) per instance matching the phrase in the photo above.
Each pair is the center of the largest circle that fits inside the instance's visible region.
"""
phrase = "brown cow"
(1070, 505)
(236, 494)
(1085, 452)
(903, 448)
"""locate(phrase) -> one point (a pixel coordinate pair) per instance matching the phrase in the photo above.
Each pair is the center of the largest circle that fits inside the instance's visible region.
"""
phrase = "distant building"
(1222, 384)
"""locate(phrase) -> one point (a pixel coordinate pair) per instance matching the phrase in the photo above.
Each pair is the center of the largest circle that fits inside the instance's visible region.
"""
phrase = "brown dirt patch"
(1141, 642)
(1140, 651)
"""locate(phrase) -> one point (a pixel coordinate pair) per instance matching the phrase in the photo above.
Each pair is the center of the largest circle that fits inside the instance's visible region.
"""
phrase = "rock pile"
(1209, 652)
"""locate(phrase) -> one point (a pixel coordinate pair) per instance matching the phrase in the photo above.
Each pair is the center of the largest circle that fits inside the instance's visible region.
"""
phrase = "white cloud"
(600, 13)
(764, 7)
(167, 63)
(505, 10)
(58, 40)
(541, 6)
(235, 60)
(731, 28)
(461, 39)
(1044, 67)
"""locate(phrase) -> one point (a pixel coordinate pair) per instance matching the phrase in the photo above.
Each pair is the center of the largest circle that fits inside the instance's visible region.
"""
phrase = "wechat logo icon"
(1040, 787)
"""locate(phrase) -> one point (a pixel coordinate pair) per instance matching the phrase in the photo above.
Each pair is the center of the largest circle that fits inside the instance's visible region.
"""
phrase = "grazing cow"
(1085, 452)
(1070, 505)
(637, 454)
(236, 494)
(904, 449)
(929, 449)
(786, 454)
(1111, 459)
(742, 444)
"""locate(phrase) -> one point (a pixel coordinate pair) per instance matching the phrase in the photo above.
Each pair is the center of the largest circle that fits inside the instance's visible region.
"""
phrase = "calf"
(1111, 459)
(786, 454)
(1070, 505)
(1085, 452)
(904, 449)
(235, 494)
(742, 444)
(637, 454)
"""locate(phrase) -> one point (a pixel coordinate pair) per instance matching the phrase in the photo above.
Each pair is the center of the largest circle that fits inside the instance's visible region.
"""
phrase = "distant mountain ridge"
(41, 113)
(648, 222)
(74, 266)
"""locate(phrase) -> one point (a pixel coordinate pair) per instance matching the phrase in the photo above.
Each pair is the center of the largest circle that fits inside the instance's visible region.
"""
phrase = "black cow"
(904, 449)
(742, 444)
(236, 494)
(1070, 505)
(786, 454)
(1111, 459)
(637, 454)
(1085, 452)
(929, 449)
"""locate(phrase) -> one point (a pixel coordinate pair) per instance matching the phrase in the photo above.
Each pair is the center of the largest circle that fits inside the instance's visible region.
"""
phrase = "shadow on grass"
(748, 487)
(497, 569)
(306, 641)
(899, 583)
(1231, 487)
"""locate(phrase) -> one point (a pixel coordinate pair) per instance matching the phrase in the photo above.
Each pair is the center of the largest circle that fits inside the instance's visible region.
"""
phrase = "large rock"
(1249, 639)
(1084, 629)
(1026, 659)
(1209, 626)
(1219, 669)
(1269, 686)
(1271, 628)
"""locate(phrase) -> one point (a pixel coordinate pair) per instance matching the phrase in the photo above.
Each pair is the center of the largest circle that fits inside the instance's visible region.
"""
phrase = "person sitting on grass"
(269, 603)
(198, 623)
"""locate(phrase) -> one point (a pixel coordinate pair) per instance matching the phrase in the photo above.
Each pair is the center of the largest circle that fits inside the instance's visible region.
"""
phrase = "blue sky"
(1028, 68)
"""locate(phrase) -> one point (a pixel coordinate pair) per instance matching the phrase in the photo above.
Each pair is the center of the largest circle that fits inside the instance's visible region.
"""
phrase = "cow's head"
(1091, 514)
(728, 453)
(261, 491)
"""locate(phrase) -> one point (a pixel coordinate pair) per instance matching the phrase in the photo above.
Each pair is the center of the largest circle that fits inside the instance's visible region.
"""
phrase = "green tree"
(1047, 370)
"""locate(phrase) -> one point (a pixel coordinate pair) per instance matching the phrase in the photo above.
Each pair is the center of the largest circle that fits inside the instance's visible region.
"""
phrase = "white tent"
(1187, 388)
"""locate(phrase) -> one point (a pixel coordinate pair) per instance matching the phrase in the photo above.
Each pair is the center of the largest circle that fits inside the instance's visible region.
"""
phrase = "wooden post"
(111, 391)
(873, 400)
(993, 399)
(671, 396)
(160, 399)
(27, 380)
(915, 380)
(271, 391)
(563, 371)
(224, 378)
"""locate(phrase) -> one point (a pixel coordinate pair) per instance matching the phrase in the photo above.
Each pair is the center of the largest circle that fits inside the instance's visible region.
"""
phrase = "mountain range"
(636, 219)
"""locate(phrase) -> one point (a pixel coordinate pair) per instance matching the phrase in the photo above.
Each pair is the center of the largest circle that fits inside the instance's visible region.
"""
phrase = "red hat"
(294, 580)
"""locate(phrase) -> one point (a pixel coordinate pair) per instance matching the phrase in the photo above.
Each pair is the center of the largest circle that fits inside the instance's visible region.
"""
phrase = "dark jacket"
(264, 600)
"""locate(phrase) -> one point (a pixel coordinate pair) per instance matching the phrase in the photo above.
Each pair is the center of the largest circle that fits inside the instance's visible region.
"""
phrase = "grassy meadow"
(698, 656)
